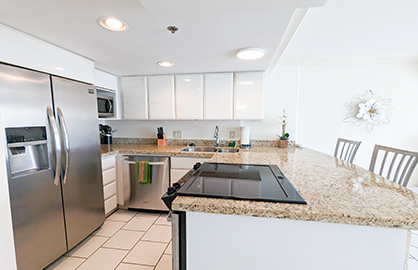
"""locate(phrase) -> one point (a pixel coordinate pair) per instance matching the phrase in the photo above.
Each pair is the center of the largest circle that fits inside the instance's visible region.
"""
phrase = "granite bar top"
(335, 191)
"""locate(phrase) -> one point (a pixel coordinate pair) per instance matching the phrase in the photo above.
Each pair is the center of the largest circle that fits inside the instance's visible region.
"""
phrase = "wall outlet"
(232, 134)
(177, 134)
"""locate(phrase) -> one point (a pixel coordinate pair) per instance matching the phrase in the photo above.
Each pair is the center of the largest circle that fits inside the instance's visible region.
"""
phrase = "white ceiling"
(357, 28)
(210, 31)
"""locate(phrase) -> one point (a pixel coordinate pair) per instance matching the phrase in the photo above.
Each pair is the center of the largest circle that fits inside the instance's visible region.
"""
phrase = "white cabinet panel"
(176, 174)
(20, 49)
(108, 162)
(109, 176)
(249, 99)
(218, 96)
(109, 190)
(189, 96)
(110, 204)
(186, 162)
(135, 97)
(105, 80)
(161, 97)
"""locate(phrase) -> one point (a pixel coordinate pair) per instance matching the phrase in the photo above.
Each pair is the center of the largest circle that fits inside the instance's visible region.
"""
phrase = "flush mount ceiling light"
(112, 24)
(165, 64)
(250, 53)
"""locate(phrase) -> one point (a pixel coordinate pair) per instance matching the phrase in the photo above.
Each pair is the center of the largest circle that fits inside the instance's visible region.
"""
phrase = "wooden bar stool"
(401, 163)
(348, 150)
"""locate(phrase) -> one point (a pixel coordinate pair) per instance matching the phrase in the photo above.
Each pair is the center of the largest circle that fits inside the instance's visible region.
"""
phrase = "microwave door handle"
(64, 130)
(110, 106)
(57, 141)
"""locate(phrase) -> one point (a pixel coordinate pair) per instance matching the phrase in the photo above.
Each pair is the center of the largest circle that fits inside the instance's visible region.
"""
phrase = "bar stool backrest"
(394, 164)
(348, 149)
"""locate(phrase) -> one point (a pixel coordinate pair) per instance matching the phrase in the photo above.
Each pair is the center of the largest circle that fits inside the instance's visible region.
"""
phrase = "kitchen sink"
(209, 149)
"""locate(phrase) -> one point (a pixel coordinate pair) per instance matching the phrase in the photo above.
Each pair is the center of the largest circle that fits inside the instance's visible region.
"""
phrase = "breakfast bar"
(353, 219)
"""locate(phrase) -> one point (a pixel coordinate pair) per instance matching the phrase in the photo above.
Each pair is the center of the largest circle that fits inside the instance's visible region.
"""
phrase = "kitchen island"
(354, 219)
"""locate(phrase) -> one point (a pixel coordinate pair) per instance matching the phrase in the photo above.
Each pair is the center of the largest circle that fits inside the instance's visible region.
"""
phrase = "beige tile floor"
(128, 240)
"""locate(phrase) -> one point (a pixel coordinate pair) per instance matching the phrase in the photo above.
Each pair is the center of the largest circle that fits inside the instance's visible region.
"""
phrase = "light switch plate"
(177, 134)
(232, 134)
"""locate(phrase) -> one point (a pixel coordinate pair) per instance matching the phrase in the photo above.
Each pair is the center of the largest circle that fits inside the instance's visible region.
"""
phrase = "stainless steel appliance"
(105, 106)
(229, 181)
(53, 161)
(147, 197)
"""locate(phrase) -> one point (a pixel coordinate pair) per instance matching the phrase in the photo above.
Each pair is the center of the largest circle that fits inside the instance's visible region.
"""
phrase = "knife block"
(163, 141)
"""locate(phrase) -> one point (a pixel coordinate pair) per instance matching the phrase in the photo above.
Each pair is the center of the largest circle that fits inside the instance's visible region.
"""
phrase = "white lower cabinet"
(181, 165)
(109, 183)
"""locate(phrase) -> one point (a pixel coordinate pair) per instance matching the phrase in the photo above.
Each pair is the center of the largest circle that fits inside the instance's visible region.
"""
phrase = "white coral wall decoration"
(368, 110)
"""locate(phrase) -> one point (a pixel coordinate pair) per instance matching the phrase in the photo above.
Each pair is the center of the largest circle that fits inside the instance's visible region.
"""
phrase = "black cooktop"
(240, 181)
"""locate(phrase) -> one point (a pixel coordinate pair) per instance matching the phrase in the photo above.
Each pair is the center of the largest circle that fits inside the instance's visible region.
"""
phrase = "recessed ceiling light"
(187, 80)
(250, 53)
(59, 68)
(112, 24)
(165, 64)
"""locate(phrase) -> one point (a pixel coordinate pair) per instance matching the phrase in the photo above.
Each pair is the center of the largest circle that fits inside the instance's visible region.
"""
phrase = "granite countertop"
(335, 191)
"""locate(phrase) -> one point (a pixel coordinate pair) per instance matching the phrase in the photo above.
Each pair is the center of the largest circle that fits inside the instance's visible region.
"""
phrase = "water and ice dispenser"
(27, 150)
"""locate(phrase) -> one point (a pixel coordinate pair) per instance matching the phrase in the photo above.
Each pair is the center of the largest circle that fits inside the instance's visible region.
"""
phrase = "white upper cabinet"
(218, 96)
(105, 80)
(23, 50)
(161, 97)
(189, 96)
(135, 97)
(249, 96)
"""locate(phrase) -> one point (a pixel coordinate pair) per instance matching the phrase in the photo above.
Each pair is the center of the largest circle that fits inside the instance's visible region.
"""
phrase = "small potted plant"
(284, 138)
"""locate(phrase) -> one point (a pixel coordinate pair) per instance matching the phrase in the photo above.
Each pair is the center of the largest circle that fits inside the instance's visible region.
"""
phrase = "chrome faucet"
(216, 136)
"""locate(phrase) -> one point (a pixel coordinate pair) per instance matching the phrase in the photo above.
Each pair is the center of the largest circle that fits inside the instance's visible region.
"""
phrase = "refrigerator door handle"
(64, 130)
(54, 127)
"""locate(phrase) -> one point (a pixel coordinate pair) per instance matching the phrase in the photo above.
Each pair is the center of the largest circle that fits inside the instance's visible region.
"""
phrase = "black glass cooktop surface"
(241, 181)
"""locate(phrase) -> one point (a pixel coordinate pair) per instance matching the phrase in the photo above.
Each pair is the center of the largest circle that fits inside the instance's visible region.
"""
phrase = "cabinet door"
(105, 80)
(161, 97)
(135, 97)
(218, 96)
(189, 96)
(249, 97)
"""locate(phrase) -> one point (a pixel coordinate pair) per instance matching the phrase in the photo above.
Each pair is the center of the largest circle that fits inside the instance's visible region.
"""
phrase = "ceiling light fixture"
(112, 24)
(250, 53)
(165, 64)
(59, 68)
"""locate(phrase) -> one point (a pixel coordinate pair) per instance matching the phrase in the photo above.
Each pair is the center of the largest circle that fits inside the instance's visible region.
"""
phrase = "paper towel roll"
(245, 137)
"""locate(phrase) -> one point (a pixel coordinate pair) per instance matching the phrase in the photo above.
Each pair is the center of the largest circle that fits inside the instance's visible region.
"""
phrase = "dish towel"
(143, 172)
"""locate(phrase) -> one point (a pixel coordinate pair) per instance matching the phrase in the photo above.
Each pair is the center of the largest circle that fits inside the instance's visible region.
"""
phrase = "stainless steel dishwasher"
(147, 197)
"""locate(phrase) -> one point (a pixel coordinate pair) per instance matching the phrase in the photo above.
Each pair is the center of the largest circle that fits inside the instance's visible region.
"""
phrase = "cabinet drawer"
(109, 190)
(110, 204)
(109, 176)
(186, 162)
(108, 163)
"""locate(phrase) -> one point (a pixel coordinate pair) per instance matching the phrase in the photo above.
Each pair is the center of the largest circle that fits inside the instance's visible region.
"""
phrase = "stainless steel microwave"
(105, 106)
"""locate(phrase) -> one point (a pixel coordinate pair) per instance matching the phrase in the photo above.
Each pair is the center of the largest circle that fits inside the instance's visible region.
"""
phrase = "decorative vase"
(283, 143)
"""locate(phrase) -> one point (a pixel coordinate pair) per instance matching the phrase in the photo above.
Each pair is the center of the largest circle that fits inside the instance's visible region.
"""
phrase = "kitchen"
(312, 82)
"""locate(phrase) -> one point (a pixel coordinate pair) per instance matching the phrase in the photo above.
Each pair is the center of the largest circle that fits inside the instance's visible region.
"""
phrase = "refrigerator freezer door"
(38, 222)
(81, 159)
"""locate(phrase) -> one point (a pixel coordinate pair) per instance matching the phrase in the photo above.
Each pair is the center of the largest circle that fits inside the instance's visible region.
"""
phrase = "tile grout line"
(137, 242)
(162, 253)
(101, 244)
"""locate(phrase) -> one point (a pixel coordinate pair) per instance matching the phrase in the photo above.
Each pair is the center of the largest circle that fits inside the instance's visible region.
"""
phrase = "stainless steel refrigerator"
(53, 161)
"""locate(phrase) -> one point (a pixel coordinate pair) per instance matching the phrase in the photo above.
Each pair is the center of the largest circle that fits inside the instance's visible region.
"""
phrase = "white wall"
(325, 88)
(279, 93)
(7, 248)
